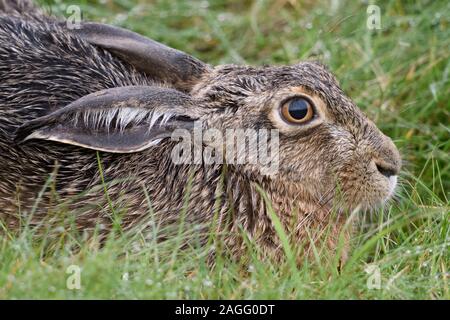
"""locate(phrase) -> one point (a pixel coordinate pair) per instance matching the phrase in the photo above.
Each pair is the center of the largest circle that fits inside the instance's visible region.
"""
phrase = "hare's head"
(326, 144)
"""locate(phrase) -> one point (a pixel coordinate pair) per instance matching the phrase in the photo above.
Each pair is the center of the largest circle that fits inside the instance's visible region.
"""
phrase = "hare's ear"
(155, 59)
(120, 120)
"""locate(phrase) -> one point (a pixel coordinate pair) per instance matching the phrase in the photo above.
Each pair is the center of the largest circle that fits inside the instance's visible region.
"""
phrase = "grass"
(399, 75)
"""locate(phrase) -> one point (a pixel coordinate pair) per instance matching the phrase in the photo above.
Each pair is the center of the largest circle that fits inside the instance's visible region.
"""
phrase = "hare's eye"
(297, 110)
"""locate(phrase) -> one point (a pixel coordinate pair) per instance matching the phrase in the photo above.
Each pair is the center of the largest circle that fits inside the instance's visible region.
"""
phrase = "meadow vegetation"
(399, 75)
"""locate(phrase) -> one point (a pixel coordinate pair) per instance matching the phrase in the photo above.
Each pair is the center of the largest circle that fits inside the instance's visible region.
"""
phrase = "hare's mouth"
(392, 186)
(369, 194)
(380, 194)
(376, 188)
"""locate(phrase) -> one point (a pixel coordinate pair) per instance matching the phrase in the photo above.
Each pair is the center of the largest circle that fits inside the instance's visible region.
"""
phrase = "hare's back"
(42, 68)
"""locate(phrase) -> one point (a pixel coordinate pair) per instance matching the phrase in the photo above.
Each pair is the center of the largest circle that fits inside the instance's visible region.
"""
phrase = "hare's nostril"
(386, 171)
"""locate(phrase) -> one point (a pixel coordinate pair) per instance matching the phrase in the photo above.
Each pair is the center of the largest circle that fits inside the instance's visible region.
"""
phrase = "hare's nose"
(387, 170)
(387, 159)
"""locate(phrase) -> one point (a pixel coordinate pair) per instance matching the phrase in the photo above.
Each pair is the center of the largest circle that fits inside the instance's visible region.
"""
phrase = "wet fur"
(43, 68)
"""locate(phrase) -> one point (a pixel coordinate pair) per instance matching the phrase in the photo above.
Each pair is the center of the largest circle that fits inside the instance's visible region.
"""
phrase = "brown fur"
(330, 166)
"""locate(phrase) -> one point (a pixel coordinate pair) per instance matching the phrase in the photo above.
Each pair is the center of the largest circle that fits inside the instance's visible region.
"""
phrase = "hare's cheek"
(302, 163)
(351, 178)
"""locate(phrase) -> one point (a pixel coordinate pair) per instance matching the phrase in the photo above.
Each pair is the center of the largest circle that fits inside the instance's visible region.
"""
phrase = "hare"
(87, 118)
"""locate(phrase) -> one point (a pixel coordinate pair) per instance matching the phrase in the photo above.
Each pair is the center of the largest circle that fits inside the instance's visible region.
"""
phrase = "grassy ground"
(398, 75)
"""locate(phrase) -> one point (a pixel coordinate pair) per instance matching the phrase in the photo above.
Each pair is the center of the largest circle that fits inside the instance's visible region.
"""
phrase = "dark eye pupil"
(298, 108)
